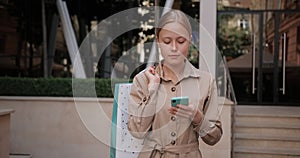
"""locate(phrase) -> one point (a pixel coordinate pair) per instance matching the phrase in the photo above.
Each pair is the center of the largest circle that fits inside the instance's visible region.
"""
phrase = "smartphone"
(179, 100)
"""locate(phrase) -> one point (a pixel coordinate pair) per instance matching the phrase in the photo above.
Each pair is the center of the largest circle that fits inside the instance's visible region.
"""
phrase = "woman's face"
(174, 41)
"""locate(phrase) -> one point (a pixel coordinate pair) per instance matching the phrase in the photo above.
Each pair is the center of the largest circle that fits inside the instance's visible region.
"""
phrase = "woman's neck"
(175, 71)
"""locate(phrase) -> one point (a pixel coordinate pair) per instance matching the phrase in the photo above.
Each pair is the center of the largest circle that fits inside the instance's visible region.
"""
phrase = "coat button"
(202, 131)
(173, 118)
(173, 134)
(173, 142)
(173, 89)
(144, 99)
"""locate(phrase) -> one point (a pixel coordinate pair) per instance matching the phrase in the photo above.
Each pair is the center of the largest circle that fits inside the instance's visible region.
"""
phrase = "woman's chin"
(174, 62)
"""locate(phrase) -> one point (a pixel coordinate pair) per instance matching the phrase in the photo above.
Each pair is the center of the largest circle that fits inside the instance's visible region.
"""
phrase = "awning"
(244, 62)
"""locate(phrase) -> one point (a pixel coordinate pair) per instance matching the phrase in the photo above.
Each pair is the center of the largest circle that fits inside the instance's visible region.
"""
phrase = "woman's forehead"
(175, 28)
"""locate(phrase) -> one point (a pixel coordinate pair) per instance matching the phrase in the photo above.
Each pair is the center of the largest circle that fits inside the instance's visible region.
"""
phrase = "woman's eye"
(167, 42)
(181, 41)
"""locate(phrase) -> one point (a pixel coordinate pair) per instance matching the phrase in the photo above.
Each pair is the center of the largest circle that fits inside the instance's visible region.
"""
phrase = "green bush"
(62, 87)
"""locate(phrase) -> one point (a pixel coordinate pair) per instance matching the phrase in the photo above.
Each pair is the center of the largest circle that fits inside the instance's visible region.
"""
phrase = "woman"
(173, 131)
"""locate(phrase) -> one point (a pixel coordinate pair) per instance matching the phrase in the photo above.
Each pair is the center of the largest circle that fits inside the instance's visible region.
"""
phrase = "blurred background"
(259, 40)
(258, 70)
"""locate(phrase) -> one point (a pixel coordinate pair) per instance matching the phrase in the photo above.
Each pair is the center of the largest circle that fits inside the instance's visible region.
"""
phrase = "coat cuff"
(205, 127)
(147, 106)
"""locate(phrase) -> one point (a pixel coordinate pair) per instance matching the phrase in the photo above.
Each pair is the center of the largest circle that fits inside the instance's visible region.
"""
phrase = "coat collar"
(189, 71)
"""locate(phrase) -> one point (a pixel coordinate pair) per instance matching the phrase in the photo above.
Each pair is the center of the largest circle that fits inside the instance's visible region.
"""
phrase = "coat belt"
(176, 149)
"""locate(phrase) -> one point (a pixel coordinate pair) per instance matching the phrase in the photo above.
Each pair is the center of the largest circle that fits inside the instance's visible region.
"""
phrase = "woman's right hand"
(152, 76)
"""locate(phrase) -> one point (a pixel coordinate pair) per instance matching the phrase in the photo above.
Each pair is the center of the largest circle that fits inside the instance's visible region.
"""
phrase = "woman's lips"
(174, 56)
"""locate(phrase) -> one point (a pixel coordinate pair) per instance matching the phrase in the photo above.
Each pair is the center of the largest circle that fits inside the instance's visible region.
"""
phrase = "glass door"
(239, 39)
(283, 41)
(262, 49)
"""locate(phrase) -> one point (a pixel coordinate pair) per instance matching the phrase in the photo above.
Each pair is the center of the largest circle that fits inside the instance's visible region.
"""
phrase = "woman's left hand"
(189, 112)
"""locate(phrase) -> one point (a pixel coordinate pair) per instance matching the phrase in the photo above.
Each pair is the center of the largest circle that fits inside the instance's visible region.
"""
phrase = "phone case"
(179, 100)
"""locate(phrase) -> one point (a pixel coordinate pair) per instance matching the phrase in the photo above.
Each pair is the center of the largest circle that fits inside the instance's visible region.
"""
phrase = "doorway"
(262, 49)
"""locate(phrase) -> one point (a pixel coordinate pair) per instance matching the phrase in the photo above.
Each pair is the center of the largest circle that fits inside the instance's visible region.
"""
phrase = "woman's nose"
(174, 47)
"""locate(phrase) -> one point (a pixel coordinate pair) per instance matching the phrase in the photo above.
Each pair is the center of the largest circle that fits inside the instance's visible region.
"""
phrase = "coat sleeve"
(141, 107)
(210, 128)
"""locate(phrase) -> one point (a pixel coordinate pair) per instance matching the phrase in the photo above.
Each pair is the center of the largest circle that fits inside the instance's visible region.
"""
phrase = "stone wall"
(73, 128)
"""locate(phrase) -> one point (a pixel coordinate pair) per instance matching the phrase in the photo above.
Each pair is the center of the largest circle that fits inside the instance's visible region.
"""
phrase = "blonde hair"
(172, 16)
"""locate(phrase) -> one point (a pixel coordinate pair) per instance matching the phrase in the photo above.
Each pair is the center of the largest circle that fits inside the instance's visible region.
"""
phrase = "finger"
(190, 109)
(156, 74)
(174, 109)
(188, 112)
(184, 112)
(152, 70)
(182, 115)
(172, 112)
(149, 68)
(184, 107)
(148, 72)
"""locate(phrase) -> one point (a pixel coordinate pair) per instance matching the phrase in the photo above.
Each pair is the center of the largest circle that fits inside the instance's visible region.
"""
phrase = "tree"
(233, 40)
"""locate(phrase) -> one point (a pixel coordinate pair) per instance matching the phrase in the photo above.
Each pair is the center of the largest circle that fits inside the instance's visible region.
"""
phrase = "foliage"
(232, 42)
(62, 87)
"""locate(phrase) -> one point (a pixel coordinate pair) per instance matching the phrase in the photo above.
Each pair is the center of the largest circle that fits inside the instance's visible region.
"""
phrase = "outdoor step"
(268, 131)
(265, 152)
(254, 155)
(294, 138)
(269, 119)
(20, 156)
(266, 141)
(258, 124)
(278, 111)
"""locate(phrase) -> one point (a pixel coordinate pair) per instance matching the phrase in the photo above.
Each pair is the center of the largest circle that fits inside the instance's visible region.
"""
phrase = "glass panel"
(280, 63)
(237, 40)
(289, 55)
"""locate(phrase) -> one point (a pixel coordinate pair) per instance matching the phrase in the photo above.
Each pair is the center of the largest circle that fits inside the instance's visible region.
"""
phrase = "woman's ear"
(157, 42)
(158, 47)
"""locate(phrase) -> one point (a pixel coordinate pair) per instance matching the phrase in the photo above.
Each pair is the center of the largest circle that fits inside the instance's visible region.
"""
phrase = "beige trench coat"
(164, 134)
